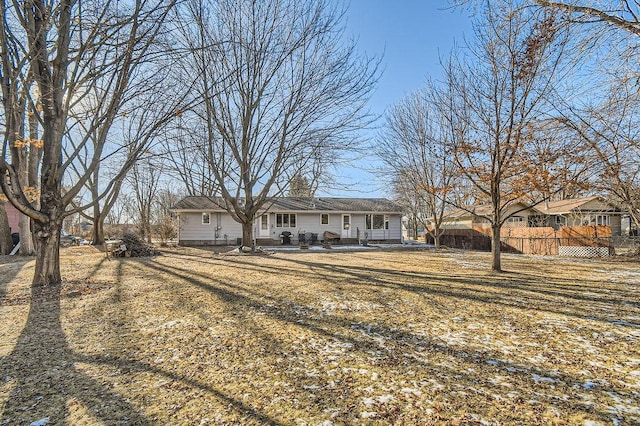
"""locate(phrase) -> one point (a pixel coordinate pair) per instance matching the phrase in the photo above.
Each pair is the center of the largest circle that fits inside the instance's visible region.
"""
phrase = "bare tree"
(138, 129)
(502, 91)
(417, 149)
(622, 14)
(6, 242)
(165, 221)
(607, 118)
(145, 181)
(280, 89)
(301, 186)
(611, 129)
(186, 157)
(66, 48)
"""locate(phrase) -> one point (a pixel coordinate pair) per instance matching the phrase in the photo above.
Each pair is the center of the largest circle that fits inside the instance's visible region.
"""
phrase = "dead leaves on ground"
(337, 338)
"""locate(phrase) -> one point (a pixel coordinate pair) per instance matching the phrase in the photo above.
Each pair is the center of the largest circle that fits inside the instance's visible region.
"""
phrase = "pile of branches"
(137, 247)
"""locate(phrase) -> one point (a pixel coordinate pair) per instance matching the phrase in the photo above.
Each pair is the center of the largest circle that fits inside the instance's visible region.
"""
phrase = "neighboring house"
(592, 210)
(476, 215)
(203, 222)
(585, 211)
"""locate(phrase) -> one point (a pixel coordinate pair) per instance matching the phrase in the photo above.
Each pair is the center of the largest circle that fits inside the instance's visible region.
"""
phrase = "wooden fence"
(587, 241)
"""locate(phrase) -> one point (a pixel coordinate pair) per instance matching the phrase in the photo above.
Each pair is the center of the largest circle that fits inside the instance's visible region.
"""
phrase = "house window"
(324, 218)
(602, 219)
(515, 219)
(376, 221)
(285, 220)
(206, 219)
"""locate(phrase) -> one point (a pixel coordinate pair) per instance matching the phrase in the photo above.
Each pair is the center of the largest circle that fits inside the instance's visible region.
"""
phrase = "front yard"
(375, 337)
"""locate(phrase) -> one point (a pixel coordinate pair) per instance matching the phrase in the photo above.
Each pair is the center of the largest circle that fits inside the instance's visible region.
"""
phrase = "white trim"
(289, 225)
(208, 217)
(345, 231)
(328, 218)
(264, 232)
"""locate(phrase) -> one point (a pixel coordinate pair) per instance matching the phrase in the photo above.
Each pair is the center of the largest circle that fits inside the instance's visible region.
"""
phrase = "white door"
(263, 226)
(346, 226)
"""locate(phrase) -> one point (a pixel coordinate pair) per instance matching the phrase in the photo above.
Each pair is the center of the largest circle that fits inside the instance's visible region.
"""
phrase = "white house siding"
(193, 232)
(393, 233)
(310, 223)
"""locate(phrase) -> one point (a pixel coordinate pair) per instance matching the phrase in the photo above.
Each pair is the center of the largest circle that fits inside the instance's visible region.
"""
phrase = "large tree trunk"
(495, 247)
(247, 234)
(436, 236)
(26, 236)
(98, 229)
(47, 242)
(6, 242)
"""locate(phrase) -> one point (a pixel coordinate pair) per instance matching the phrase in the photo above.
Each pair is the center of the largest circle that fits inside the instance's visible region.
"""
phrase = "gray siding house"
(345, 220)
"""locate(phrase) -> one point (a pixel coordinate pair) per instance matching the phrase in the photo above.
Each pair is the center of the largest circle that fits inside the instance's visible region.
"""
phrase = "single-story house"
(202, 221)
(583, 211)
(477, 215)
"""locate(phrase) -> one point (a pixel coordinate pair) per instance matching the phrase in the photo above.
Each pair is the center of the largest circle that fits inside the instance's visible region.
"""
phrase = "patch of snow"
(415, 392)
(368, 402)
(311, 387)
(368, 414)
(542, 379)
(42, 422)
(383, 399)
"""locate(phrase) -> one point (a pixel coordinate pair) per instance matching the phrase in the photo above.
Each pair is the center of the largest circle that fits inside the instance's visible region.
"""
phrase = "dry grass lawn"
(420, 337)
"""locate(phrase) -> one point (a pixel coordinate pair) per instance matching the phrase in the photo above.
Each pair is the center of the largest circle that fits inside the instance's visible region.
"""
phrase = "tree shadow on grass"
(395, 349)
(515, 290)
(42, 376)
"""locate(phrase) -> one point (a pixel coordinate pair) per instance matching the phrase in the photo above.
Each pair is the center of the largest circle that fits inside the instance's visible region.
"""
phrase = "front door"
(346, 226)
(263, 228)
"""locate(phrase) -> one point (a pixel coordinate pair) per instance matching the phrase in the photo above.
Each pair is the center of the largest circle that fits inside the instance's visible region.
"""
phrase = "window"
(603, 219)
(206, 219)
(376, 221)
(515, 219)
(324, 218)
(285, 220)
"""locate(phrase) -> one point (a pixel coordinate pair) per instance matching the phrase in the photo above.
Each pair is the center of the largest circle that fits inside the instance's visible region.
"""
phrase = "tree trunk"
(6, 242)
(98, 230)
(26, 236)
(47, 242)
(495, 248)
(247, 234)
(436, 236)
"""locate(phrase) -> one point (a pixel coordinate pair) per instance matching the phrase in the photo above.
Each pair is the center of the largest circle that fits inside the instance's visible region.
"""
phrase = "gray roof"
(292, 204)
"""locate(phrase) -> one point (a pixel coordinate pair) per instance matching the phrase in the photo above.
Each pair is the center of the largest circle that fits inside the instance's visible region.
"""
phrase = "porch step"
(267, 242)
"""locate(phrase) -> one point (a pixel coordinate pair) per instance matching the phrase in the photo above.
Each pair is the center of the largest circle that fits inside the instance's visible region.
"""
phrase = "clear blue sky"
(410, 36)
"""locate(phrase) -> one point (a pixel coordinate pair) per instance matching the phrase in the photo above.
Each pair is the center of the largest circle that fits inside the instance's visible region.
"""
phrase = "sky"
(410, 36)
